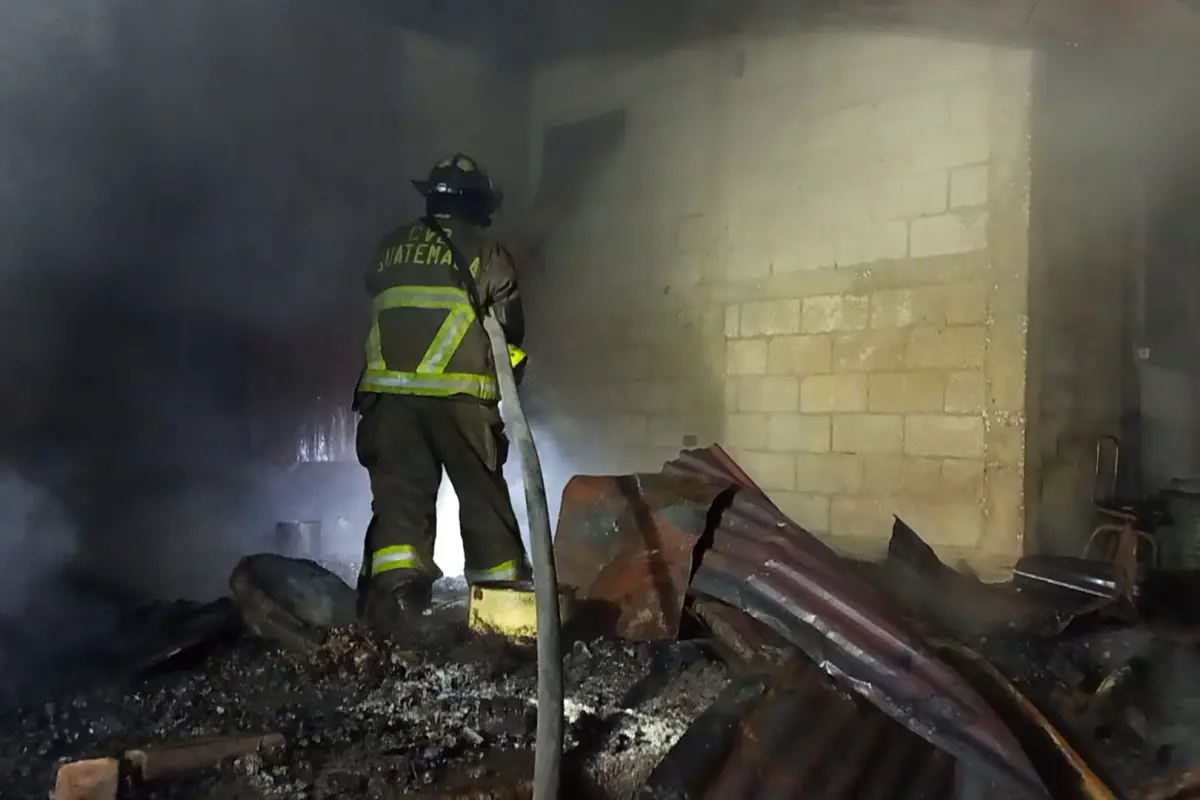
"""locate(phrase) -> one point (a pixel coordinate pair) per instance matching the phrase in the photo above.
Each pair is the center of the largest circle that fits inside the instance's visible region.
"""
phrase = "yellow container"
(509, 608)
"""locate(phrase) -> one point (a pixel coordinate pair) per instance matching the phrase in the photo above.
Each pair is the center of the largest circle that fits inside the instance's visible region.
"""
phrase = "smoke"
(38, 535)
(188, 193)
(557, 469)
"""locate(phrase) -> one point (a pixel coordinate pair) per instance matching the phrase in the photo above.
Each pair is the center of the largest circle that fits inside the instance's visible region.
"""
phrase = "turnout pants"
(404, 442)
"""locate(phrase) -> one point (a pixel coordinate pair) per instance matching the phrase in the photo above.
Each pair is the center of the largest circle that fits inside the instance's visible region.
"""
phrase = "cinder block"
(870, 351)
(903, 392)
(964, 476)
(862, 517)
(668, 430)
(799, 433)
(809, 511)
(770, 470)
(951, 62)
(1004, 440)
(769, 318)
(767, 394)
(943, 479)
(965, 392)
(867, 242)
(746, 357)
(829, 473)
(648, 396)
(731, 322)
(957, 348)
(835, 128)
(748, 431)
(950, 146)
(634, 362)
(969, 107)
(913, 112)
(948, 234)
(910, 196)
(1006, 378)
(967, 303)
(835, 312)
(868, 433)
(899, 308)
(841, 392)
(682, 359)
(1004, 530)
(604, 397)
(890, 475)
(799, 355)
(943, 524)
(625, 428)
(750, 242)
(846, 202)
(693, 235)
(805, 248)
(969, 186)
(944, 435)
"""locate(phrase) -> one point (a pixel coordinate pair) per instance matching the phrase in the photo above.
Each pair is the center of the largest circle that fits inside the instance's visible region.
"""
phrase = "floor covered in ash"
(371, 718)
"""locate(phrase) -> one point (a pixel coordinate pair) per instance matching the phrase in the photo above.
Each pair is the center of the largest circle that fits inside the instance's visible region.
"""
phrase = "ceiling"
(522, 32)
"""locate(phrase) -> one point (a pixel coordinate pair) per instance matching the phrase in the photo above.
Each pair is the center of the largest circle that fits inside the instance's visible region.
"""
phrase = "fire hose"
(548, 748)
(548, 745)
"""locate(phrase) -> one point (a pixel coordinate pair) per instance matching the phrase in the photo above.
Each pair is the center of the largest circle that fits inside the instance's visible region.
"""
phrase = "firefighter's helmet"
(459, 181)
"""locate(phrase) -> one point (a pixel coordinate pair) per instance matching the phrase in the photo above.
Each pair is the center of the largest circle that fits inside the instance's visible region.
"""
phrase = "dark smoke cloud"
(183, 186)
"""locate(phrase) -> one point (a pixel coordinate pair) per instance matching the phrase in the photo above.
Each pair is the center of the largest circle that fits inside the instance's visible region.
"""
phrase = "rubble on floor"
(719, 650)
(363, 717)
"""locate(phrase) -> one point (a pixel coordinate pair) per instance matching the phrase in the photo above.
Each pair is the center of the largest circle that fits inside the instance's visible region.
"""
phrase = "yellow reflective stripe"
(506, 571)
(374, 350)
(447, 297)
(401, 556)
(439, 385)
(516, 355)
(441, 350)
(448, 338)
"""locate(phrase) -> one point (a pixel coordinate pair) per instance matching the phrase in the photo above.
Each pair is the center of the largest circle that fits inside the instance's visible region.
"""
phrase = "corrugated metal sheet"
(805, 736)
(626, 543)
(888, 700)
(777, 572)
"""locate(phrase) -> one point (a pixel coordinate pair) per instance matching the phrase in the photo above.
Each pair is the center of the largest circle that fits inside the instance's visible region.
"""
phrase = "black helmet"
(459, 186)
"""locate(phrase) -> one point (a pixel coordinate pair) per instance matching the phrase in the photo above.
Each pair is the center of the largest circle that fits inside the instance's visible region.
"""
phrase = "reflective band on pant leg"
(505, 571)
(401, 556)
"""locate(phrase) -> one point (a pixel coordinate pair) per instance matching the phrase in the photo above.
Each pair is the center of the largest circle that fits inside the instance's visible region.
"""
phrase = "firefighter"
(429, 399)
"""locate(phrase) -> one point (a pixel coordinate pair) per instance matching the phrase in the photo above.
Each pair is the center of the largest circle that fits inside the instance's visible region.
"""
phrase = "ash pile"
(719, 651)
(222, 715)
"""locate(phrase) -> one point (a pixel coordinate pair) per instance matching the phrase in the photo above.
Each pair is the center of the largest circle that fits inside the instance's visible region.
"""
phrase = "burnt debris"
(719, 650)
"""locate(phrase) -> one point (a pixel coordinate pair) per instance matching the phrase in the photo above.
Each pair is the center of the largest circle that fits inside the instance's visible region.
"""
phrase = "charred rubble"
(720, 651)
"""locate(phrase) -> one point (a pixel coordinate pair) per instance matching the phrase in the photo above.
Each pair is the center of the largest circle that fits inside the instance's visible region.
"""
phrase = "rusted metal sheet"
(806, 736)
(627, 543)
(774, 570)
(1061, 767)
(632, 542)
(743, 641)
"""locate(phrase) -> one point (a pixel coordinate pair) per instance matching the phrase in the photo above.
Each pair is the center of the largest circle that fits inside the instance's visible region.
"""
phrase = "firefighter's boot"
(394, 601)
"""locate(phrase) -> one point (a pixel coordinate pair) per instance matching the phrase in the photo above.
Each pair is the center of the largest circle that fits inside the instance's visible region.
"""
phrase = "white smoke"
(36, 539)
(556, 471)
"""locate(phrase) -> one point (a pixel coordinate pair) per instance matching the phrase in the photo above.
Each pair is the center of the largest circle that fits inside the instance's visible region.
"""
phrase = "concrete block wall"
(813, 249)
